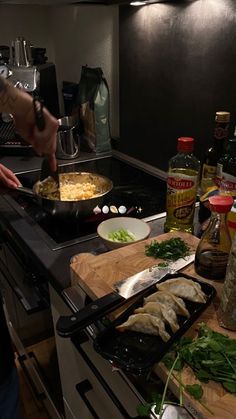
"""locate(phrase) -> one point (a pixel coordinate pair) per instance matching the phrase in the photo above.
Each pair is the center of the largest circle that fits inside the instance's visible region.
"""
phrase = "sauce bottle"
(182, 182)
(214, 247)
(214, 153)
(227, 310)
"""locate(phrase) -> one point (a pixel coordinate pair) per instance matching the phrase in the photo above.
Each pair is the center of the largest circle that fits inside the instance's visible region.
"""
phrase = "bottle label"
(221, 130)
(208, 177)
(226, 182)
(181, 196)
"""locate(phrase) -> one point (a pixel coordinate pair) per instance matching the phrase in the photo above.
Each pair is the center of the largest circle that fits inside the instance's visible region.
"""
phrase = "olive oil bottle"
(182, 183)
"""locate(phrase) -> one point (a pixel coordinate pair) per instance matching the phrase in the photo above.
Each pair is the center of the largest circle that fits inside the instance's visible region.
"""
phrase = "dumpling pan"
(57, 207)
(137, 352)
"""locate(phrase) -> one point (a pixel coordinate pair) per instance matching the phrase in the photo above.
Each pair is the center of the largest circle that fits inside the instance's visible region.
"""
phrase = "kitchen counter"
(19, 164)
(55, 265)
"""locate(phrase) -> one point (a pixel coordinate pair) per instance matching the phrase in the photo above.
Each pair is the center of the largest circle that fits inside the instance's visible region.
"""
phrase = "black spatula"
(46, 170)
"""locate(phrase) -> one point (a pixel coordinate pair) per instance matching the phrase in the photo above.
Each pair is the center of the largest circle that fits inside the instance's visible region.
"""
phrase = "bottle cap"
(222, 116)
(185, 144)
(221, 203)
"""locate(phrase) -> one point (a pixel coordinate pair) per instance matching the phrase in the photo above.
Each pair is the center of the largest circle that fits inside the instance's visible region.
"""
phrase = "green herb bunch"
(211, 356)
(171, 249)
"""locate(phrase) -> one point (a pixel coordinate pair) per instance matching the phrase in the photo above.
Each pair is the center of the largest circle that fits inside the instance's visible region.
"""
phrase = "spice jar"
(227, 310)
(214, 247)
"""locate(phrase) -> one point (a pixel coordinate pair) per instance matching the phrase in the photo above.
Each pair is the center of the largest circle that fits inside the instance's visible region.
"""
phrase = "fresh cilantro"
(171, 249)
(195, 390)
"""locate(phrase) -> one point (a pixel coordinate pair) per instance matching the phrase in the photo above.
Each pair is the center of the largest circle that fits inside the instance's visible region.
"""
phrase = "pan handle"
(25, 191)
(69, 325)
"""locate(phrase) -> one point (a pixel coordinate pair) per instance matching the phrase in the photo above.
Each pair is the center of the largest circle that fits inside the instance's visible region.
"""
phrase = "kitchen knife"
(125, 291)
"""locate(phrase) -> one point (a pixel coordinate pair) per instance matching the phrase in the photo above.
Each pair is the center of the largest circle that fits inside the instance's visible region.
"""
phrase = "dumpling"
(145, 323)
(164, 313)
(185, 288)
(168, 299)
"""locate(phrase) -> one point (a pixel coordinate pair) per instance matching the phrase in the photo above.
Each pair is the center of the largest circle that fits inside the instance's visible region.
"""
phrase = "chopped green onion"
(122, 236)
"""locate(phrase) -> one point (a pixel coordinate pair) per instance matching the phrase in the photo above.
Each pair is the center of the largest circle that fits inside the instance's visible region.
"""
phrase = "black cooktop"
(136, 192)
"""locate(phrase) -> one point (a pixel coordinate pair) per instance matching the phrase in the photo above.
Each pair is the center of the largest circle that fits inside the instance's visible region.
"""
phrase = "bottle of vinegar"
(182, 185)
(216, 151)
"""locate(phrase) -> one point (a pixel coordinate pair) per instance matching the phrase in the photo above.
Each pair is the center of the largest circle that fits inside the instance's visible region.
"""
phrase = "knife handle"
(38, 113)
(68, 325)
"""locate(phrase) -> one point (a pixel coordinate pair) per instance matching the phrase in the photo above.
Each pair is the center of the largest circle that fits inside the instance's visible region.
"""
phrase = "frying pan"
(57, 207)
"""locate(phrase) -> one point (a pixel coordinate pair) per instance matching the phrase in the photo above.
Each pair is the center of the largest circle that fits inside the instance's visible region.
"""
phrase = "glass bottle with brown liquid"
(214, 247)
(214, 153)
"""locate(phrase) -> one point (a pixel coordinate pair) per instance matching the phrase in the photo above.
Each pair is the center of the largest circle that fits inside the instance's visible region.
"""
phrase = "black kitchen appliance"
(45, 87)
(37, 249)
(140, 193)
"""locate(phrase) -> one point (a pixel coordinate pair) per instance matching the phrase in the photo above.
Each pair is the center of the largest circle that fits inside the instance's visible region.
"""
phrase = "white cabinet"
(84, 396)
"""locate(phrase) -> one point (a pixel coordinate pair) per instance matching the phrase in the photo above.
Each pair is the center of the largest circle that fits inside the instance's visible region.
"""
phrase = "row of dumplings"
(162, 307)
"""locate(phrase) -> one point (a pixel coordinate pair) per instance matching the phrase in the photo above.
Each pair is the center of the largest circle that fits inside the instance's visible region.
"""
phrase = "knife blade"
(138, 282)
(69, 325)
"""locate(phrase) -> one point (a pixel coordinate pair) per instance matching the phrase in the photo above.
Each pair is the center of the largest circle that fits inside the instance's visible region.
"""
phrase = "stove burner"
(135, 194)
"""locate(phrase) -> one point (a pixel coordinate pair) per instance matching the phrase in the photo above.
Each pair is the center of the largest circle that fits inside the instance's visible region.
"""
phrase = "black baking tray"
(137, 352)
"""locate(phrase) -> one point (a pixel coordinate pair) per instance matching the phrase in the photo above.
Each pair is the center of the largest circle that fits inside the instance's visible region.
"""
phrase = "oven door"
(25, 293)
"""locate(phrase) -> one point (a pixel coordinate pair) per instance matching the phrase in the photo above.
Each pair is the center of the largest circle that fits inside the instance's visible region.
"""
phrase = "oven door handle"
(84, 387)
(76, 341)
(19, 295)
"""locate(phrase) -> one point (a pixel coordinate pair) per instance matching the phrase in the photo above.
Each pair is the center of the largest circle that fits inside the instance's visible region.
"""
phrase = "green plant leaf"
(195, 390)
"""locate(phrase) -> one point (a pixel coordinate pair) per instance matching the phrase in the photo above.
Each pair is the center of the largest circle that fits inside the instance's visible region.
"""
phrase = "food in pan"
(73, 187)
(185, 288)
(68, 191)
(145, 323)
(168, 299)
(165, 313)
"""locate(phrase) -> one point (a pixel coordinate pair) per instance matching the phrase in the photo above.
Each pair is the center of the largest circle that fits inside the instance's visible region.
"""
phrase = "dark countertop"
(19, 164)
(52, 264)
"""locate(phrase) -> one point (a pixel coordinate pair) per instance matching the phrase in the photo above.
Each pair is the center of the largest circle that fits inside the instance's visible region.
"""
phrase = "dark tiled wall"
(177, 68)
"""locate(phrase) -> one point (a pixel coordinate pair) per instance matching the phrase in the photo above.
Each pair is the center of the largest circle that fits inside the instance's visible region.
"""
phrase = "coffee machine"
(36, 77)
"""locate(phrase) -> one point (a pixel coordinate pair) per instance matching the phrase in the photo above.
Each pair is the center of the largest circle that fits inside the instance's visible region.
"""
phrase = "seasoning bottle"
(226, 169)
(214, 153)
(214, 247)
(231, 220)
(227, 310)
(182, 182)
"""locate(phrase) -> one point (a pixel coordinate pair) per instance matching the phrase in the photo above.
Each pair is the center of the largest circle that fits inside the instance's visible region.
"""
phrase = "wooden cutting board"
(96, 275)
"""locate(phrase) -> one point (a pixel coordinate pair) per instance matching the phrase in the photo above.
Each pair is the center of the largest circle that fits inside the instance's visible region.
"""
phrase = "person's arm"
(20, 105)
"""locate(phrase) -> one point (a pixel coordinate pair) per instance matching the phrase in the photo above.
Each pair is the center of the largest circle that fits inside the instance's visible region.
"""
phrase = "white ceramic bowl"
(139, 228)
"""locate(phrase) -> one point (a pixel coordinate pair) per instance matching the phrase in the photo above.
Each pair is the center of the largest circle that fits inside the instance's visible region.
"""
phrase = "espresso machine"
(37, 79)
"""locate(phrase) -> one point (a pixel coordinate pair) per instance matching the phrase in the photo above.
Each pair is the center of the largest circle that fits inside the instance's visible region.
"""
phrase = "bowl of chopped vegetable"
(121, 231)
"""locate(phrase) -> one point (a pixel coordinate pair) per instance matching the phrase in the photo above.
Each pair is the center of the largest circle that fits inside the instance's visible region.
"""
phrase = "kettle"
(68, 141)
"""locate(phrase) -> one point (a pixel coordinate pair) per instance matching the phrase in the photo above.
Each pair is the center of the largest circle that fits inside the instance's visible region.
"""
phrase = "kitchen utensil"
(124, 291)
(74, 208)
(137, 352)
(46, 170)
(67, 138)
(20, 54)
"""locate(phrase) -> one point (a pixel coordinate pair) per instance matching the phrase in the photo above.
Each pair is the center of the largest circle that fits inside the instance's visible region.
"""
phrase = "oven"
(36, 249)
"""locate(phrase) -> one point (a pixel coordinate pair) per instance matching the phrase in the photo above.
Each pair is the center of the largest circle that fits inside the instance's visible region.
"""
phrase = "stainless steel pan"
(58, 207)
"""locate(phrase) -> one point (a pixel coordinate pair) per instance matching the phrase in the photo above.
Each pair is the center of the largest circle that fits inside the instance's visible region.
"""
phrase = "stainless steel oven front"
(27, 308)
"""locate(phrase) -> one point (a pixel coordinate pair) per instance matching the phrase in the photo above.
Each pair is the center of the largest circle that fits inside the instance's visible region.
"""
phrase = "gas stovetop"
(135, 194)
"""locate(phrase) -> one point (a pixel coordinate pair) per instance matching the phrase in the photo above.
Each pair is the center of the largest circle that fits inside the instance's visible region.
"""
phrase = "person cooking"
(20, 105)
